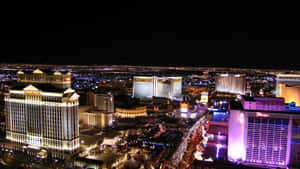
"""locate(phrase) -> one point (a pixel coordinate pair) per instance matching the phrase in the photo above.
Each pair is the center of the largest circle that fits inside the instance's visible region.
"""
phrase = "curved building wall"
(131, 113)
(97, 119)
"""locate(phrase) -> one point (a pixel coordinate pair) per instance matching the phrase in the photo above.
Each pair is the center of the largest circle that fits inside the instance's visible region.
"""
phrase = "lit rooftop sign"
(184, 107)
(31, 90)
(68, 79)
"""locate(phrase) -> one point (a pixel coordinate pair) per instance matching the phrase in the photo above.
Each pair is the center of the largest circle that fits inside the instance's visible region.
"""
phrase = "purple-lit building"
(265, 134)
(263, 103)
(217, 132)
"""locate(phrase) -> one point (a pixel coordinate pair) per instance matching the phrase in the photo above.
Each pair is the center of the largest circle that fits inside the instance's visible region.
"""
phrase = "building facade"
(230, 83)
(57, 78)
(97, 119)
(42, 115)
(289, 93)
(101, 113)
(131, 113)
(287, 86)
(43, 119)
(263, 103)
(104, 102)
(149, 86)
(264, 136)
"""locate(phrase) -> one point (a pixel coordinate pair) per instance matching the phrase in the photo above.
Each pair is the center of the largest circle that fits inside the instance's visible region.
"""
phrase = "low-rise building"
(131, 112)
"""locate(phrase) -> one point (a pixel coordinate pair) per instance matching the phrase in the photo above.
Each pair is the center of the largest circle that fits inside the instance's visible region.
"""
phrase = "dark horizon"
(232, 65)
(133, 33)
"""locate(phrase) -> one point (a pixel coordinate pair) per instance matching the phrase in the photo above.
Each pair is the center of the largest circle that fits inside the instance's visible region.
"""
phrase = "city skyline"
(149, 85)
(173, 117)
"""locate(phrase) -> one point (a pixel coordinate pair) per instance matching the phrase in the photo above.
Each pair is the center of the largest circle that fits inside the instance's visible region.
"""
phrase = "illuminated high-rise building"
(230, 83)
(286, 79)
(147, 87)
(288, 87)
(264, 136)
(42, 115)
(143, 87)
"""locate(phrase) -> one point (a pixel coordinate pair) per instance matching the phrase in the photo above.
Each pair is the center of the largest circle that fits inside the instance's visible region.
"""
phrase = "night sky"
(149, 34)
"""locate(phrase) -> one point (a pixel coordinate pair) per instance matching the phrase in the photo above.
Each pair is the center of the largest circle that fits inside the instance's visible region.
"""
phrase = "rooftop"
(42, 87)
(267, 99)
(41, 71)
(236, 105)
(278, 112)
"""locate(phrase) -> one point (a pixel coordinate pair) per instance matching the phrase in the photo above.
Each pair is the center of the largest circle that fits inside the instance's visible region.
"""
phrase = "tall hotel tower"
(42, 111)
(149, 86)
(230, 83)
